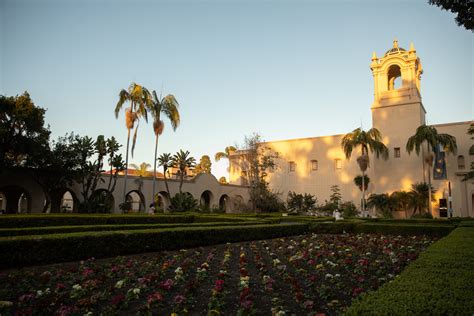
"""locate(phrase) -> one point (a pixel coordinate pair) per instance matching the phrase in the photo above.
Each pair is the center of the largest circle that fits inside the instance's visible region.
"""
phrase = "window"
(396, 152)
(314, 165)
(338, 163)
(461, 163)
(292, 166)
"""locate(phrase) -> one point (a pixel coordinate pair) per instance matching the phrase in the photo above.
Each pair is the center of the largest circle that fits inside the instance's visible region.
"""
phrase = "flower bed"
(301, 275)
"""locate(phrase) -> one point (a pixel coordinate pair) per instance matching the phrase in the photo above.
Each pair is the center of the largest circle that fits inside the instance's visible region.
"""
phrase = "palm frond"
(134, 140)
(218, 156)
(123, 97)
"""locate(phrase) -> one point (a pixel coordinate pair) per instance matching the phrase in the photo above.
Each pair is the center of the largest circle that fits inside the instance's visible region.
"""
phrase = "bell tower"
(397, 110)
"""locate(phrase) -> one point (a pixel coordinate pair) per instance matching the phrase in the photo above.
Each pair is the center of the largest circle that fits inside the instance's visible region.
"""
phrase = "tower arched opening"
(394, 76)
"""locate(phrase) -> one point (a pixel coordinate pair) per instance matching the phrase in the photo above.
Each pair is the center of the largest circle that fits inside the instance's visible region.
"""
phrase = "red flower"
(117, 299)
(219, 285)
(154, 297)
(166, 285)
(357, 291)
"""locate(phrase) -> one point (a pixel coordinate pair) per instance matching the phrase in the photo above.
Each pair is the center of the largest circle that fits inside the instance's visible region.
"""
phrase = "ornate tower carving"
(397, 111)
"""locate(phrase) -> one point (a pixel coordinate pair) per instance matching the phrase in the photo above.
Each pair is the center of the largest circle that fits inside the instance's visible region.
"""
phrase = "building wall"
(396, 113)
(22, 181)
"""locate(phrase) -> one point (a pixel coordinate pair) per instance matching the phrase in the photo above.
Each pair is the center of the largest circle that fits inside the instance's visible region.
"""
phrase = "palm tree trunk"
(429, 183)
(126, 169)
(154, 169)
(181, 182)
(363, 192)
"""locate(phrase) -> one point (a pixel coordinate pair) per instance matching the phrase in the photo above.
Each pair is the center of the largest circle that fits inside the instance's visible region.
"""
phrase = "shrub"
(183, 202)
(299, 203)
(27, 250)
(349, 210)
(422, 215)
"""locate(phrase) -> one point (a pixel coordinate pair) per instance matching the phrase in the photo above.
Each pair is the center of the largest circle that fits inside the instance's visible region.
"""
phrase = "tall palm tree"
(165, 160)
(225, 154)
(366, 140)
(140, 101)
(168, 106)
(429, 135)
(183, 161)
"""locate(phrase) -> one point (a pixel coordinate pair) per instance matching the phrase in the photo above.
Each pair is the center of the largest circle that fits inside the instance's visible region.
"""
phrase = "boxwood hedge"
(440, 282)
(39, 249)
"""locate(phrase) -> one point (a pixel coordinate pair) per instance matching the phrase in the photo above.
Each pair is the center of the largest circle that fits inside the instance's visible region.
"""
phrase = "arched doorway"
(206, 200)
(136, 201)
(23, 203)
(15, 199)
(67, 202)
(162, 200)
(223, 203)
(3, 203)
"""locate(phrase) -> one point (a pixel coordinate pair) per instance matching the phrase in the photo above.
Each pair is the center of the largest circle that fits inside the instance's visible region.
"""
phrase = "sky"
(282, 69)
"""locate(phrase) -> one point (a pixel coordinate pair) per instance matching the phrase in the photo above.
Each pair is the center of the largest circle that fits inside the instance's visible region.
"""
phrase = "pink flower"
(166, 285)
(219, 285)
(308, 304)
(154, 297)
(357, 291)
(179, 299)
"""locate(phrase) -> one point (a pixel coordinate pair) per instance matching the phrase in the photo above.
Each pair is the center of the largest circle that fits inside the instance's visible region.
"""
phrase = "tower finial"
(395, 43)
(374, 56)
(412, 47)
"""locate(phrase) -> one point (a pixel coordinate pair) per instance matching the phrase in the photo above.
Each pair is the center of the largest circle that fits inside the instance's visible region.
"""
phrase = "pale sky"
(283, 69)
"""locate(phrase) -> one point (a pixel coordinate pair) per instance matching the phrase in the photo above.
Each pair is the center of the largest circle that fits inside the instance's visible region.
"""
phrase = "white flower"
(136, 291)
(119, 284)
(77, 287)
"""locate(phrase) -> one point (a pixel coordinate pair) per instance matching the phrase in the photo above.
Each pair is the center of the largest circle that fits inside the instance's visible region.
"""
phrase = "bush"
(349, 210)
(439, 282)
(422, 215)
(299, 203)
(183, 202)
(28, 250)
(17, 221)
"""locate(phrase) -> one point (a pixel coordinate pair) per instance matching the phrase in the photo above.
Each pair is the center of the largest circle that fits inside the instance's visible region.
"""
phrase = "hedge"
(5, 232)
(41, 220)
(340, 227)
(29, 250)
(440, 282)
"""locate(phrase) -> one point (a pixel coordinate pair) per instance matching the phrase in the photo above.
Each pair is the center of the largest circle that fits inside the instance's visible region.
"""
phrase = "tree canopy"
(463, 9)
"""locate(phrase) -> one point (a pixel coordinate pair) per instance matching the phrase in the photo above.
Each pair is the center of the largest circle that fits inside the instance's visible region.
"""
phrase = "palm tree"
(168, 106)
(401, 201)
(183, 161)
(420, 195)
(140, 101)
(382, 203)
(165, 160)
(429, 135)
(225, 154)
(142, 169)
(367, 140)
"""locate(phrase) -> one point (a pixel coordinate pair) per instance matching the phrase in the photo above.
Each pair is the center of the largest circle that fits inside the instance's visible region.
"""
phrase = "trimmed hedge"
(42, 220)
(439, 282)
(340, 227)
(29, 250)
(8, 232)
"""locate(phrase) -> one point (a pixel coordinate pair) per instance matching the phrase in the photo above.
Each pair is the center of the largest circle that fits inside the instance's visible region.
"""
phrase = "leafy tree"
(140, 102)
(167, 106)
(464, 10)
(257, 160)
(300, 203)
(204, 165)
(223, 180)
(426, 134)
(115, 161)
(166, 161)
(335, 197)
(358, 181)
(22, 130)
(182, 161)
(366, 140)
(419, 194)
